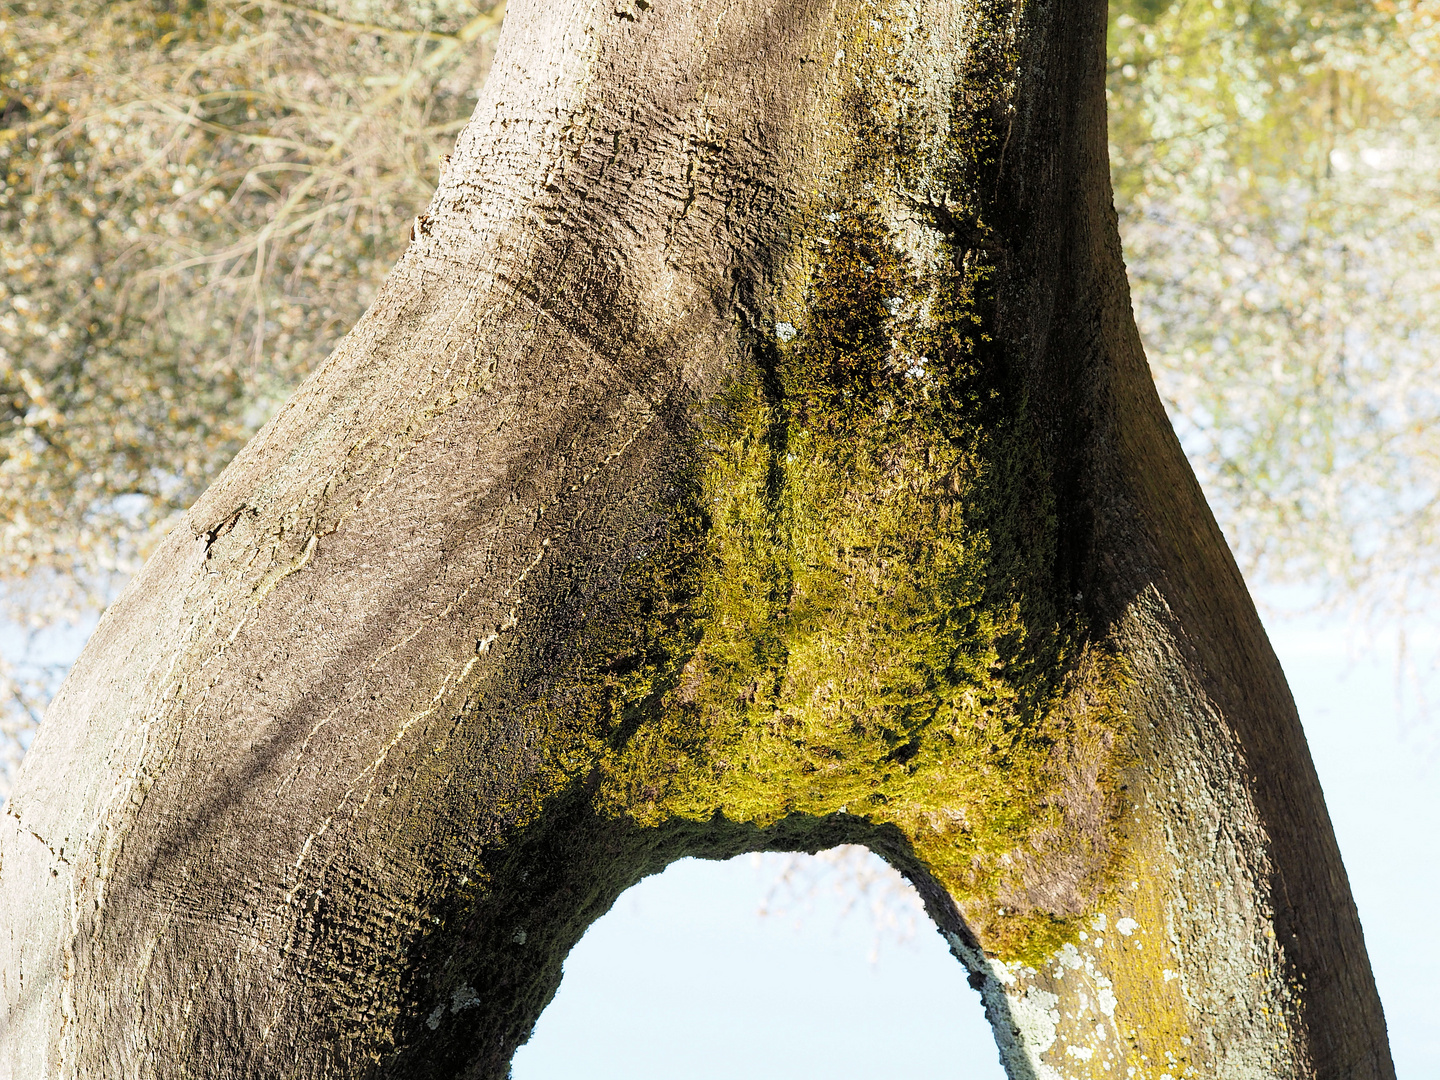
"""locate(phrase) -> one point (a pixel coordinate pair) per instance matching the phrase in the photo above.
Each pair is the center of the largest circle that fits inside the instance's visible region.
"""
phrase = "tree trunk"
(753, 451)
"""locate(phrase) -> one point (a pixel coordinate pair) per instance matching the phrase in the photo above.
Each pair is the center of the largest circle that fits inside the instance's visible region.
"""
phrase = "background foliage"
(1277, 172)
(201, 196)
(199, 199)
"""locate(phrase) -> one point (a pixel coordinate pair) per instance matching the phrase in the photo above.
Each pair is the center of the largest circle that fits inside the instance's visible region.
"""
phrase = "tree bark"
(753, 451)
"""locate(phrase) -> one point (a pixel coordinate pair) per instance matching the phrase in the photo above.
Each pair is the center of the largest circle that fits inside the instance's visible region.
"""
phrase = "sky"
(685, 978)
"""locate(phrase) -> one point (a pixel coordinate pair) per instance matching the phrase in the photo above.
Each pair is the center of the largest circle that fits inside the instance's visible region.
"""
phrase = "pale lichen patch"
(464, 998)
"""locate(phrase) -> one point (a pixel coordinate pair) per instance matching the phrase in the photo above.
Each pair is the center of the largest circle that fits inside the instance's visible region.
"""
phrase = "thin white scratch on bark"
(512, 618)
(305, 745)
(410, 722)
(265, 590)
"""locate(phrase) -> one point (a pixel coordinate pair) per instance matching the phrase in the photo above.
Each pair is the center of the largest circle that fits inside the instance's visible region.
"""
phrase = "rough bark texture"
(754, 450)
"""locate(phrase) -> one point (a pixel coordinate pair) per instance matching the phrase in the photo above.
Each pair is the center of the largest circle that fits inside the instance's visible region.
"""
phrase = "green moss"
(852, 609)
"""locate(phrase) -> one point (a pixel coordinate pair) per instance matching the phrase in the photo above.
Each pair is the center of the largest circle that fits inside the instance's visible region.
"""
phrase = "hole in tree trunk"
(773, 965)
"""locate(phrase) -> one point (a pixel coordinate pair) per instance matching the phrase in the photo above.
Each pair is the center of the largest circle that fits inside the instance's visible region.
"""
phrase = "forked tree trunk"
(753, 450)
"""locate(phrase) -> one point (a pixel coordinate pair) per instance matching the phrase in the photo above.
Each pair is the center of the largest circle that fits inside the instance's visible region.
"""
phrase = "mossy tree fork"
(753, 451)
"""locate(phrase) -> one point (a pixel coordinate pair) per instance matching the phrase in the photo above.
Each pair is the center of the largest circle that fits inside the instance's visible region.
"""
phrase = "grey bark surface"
(293, 815)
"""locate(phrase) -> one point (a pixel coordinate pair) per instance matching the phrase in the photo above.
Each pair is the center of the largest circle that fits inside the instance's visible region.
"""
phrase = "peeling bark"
(753, 451)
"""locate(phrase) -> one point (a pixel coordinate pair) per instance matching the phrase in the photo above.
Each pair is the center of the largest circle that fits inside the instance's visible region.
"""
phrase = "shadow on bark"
(494, 963)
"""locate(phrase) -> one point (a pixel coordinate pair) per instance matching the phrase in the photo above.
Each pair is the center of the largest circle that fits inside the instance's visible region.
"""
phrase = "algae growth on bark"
(753, 451)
